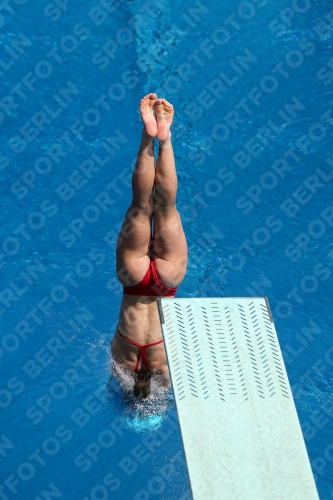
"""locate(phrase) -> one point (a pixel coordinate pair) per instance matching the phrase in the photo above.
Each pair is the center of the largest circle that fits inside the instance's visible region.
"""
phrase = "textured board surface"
(240, 430)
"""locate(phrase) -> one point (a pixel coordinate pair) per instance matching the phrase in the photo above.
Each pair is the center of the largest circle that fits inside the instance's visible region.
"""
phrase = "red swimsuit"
(142, 353)
(150, 285)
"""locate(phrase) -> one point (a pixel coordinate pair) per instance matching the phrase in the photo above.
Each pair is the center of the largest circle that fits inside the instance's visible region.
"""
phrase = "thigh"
(169, 245)
(133, 245)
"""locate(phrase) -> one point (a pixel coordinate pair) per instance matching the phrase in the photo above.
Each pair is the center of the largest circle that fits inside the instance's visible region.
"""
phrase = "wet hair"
(142, 384)
(139, 395)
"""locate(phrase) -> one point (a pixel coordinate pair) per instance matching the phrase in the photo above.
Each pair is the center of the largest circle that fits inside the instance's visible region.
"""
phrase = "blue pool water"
(252, 86)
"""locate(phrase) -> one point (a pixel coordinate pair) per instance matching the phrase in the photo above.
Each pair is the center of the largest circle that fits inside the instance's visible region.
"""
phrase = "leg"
(169, 242)
(132, 254)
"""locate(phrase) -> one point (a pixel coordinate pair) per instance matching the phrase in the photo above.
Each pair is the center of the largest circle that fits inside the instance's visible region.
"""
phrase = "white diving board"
(239, 426)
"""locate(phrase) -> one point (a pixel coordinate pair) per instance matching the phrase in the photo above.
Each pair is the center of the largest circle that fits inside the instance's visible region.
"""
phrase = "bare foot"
(147, 110)
(164, 116)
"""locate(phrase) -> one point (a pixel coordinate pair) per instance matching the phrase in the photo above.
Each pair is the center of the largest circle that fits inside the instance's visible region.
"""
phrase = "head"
(140, 388)
(142, 384)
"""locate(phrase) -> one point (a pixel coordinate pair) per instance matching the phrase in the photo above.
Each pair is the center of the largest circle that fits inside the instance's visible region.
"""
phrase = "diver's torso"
(139, 322)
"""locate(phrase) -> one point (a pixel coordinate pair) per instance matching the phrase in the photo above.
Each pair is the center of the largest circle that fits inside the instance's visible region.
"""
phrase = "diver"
(151, 252)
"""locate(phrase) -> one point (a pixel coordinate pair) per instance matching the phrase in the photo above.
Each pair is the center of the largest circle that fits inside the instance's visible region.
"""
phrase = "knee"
(163, 195)
(139, 207)
(164, 207)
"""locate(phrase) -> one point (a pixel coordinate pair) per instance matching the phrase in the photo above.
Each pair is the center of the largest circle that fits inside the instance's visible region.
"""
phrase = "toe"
(153, 96)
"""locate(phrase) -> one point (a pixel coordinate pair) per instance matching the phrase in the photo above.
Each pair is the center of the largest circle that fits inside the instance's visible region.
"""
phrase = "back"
(139, 322)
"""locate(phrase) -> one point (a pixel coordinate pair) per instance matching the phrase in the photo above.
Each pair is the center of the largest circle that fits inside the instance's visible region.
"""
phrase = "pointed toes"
(158, 100)
(166, 103)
